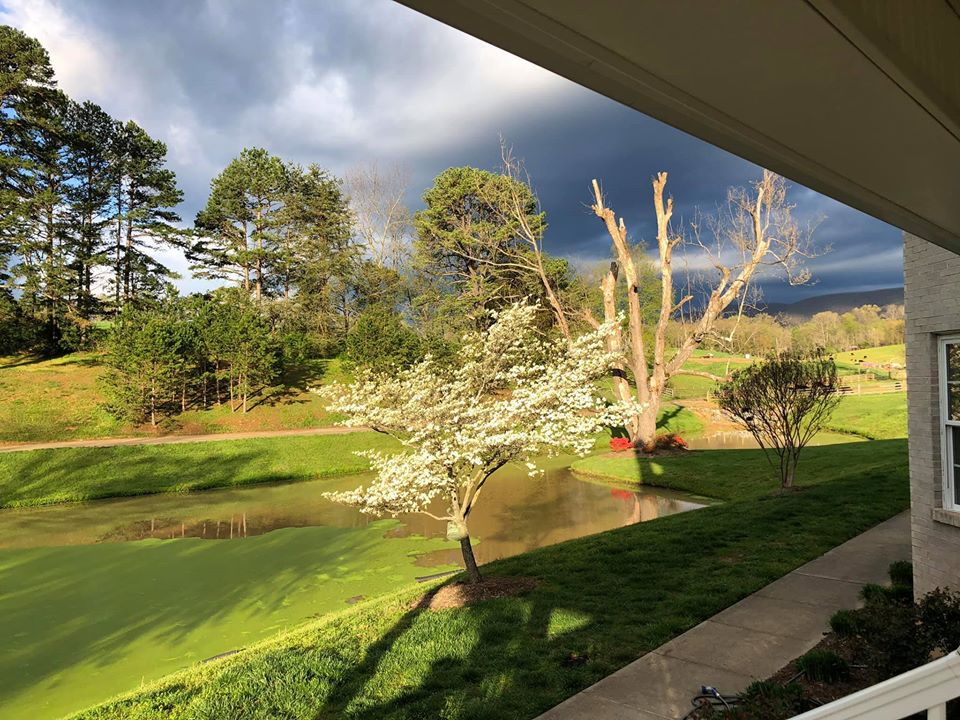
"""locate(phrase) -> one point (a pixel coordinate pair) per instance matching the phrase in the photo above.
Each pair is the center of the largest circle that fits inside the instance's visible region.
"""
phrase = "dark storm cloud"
(342, 82)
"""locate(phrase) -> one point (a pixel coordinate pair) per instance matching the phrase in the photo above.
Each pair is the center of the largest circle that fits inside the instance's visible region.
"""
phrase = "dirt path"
(713, 418)
(175, 439)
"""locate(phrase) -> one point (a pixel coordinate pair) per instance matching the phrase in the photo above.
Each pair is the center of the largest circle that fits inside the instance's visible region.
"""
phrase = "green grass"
(848, 362)
(43, 477)
(883, 354)
(48, 400)
(876, 417)
(63, 399)
(81, 623)
(691, 386)
(677, 419)
(609, 598)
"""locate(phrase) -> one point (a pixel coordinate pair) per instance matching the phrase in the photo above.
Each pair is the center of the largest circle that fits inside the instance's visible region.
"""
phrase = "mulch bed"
(461, 594)
(861, 676)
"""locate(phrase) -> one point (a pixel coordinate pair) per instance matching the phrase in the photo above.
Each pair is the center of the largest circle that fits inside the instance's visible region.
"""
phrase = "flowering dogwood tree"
(511, 395)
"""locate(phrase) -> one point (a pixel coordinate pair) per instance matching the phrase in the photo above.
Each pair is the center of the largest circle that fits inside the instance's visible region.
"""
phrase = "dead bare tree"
(526, 255)
(756, 230)
(382, 218)
(783, 401)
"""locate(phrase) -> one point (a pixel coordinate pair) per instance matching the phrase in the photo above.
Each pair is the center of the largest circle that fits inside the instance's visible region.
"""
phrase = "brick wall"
(932, 280)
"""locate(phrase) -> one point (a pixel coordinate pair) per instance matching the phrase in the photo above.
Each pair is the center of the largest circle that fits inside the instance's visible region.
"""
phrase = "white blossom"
(511, 395)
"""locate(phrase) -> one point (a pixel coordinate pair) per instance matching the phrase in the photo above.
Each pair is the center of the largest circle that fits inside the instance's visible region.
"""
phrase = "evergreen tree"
(468, 238)
(145, 194)
(239, 223)
(89, 132)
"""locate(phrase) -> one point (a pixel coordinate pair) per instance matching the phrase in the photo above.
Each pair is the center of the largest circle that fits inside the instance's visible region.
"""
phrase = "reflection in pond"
(517, 513)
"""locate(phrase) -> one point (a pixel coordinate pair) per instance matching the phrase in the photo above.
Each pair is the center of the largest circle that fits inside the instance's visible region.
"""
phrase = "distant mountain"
(837, 302)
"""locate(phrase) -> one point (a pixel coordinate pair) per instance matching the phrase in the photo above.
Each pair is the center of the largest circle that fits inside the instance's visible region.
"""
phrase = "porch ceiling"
(858, 99)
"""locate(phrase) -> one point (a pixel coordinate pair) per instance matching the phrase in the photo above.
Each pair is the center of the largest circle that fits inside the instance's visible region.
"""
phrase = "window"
(950, 424)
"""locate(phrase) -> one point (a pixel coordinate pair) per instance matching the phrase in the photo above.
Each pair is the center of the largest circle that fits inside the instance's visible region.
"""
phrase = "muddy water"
(517, 513)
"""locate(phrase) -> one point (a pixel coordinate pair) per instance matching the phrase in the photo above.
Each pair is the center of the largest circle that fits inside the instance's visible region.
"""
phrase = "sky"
(345, 82)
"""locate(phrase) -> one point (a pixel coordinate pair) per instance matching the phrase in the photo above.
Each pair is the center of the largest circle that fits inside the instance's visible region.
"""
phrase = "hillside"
(836, 302)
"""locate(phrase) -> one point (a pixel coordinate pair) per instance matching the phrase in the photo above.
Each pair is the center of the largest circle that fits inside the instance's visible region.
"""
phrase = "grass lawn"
(608, 598)
(48, 400)
(877, 417)
(62, 399)
(43, 477)
(677, 419)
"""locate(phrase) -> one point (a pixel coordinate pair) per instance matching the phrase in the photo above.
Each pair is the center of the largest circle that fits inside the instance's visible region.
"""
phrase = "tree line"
(762, 334)
(342, 266)
(85, 201)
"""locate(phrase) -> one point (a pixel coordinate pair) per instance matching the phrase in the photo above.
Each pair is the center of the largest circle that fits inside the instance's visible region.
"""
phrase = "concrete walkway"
(176, 439)
(750, 640)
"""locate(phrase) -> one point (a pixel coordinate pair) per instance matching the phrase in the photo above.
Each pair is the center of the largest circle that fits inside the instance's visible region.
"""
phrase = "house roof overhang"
(857, 99)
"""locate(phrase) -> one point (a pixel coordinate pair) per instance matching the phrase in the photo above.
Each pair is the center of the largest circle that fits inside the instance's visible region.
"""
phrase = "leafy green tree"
(32, 147)
(469, 236)
(783, 401)
(381, 341)
(146, 355)
(313, 234)
(89, 131)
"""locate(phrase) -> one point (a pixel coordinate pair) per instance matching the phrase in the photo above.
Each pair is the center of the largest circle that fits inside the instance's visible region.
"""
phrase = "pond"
(85, 613)
(517, 513)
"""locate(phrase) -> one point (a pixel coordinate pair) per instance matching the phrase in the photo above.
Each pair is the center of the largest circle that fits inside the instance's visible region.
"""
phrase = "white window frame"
(948, 454)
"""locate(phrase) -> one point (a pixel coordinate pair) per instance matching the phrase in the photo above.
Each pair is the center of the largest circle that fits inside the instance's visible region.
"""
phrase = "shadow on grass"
(93, 606)
(294, 383)
(602, 601)
(79, 474)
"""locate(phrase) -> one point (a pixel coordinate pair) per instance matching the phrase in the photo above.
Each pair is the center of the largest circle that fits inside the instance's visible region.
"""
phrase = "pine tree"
(89, 132)
(32, 149)
(145, 194)
(239, 223)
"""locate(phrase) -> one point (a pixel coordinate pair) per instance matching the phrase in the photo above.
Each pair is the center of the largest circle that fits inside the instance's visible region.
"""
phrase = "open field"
(876, 417)
(56, 399)
(602, 601)
(62, 399)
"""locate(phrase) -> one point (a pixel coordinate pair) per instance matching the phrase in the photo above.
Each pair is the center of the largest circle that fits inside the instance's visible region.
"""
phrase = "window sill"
(947, 517)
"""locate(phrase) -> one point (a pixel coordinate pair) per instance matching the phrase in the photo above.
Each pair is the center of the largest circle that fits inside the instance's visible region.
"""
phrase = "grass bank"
(44, 477)
(875, 417)
(605, 599)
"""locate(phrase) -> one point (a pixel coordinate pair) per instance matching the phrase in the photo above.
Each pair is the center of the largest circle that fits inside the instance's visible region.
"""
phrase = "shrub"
(939, 613)
(874, 593)
(783, 400)
(381, 341)
(670, 441)
(620, 444)
(824, 666)
(901, 573)
(844, 623)
(890, 634)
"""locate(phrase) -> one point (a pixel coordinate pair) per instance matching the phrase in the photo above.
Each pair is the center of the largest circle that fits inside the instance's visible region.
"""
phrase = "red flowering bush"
(619, 444)
(671, 441)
